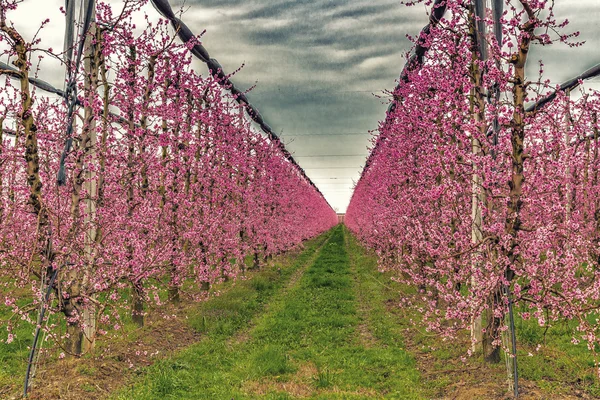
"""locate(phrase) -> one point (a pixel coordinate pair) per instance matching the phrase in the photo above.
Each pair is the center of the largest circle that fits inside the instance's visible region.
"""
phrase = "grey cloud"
(361, 11)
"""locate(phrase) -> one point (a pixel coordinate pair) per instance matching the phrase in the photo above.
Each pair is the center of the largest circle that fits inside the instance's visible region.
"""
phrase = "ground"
(319, 323)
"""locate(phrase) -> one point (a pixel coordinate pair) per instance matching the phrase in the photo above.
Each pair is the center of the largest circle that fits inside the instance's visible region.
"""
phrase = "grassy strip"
(379, 328)
(555, 370)
(203, 317)
(226, 314)
(306, 345)
(219, 319)
(13, 355)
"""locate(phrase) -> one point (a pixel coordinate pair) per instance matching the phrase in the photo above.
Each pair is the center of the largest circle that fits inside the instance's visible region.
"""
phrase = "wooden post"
(90, 185)
(479, 52)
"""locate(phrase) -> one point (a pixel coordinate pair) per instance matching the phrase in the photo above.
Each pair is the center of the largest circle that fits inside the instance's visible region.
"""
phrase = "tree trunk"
(74, 341)
(491, 352)
(137, 305)
(173, 295)
(256, 261)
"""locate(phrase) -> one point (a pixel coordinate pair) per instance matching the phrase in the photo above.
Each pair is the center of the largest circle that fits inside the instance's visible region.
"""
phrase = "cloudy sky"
(320, 67)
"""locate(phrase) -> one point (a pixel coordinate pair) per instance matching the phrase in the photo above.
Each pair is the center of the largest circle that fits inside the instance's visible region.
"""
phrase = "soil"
(94, 378)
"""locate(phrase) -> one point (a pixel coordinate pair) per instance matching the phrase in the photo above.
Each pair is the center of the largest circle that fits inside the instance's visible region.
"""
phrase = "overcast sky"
(320, 67)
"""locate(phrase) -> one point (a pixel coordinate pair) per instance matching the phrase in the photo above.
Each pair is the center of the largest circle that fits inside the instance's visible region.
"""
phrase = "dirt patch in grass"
(265, 387)
(117, 360)
(486, 391)
(302, 384)
(474, 380)
(366, 337)
(298, 384)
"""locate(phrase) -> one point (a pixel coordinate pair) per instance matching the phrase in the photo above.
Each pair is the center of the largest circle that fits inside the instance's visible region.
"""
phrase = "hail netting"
(39, 83)
(565, 86)
(200, 52)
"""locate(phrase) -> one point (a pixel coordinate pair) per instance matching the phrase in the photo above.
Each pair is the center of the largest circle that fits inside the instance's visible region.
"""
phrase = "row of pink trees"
(478, 217)
(166, 181)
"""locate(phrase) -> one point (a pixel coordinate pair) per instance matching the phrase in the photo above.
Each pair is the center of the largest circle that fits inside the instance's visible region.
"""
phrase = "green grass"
(272, 360)
(558, 360)
(325, 324)
(220, 315)
(307, 343)
(557, 368)
(13, 355)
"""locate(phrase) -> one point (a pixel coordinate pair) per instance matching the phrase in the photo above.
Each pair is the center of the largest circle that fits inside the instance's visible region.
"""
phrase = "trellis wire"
(216, 70)
(71, 90)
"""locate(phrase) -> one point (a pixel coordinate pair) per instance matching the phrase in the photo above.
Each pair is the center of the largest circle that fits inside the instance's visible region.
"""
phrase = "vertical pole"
(476, 237)
(497, 11)
(567, 139)
(91, 187)
(477, 196)
(513, 340)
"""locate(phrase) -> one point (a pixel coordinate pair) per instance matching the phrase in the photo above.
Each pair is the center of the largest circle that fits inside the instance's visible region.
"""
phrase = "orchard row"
(167, 183)
(478, 200)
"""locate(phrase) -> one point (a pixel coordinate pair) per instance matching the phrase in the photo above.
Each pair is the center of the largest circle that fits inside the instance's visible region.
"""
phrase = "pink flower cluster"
(166, 181)
(438, 158)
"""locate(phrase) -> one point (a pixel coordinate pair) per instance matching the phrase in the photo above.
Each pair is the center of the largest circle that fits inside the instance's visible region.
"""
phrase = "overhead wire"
(216, 70)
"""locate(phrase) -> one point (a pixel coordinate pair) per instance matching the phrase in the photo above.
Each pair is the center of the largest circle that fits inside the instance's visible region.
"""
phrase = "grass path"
(318, 323)
(325, 336)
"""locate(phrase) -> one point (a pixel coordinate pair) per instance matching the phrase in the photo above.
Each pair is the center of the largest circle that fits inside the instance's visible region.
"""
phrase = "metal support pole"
(513, 342)
(38, 329)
